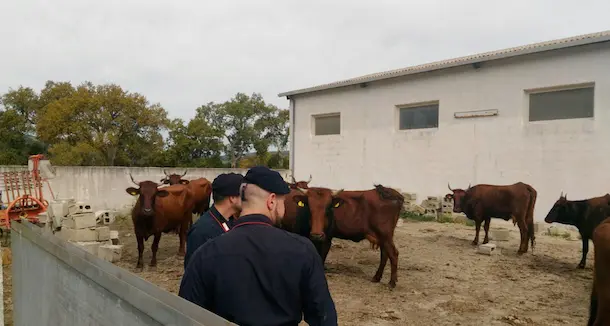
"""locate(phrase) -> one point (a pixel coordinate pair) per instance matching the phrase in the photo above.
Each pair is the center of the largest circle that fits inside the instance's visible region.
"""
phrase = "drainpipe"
(292, 132)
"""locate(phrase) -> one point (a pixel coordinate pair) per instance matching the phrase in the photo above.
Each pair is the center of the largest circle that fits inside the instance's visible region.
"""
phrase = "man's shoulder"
(295, 241)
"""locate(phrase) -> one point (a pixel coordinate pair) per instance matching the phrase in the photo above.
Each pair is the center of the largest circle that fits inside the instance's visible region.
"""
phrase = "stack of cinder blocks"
(447, 206)
(432, 205)
(410, 204)
(79, 226)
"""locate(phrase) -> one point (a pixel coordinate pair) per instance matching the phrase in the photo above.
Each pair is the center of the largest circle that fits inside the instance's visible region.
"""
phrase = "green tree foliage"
(105, 125)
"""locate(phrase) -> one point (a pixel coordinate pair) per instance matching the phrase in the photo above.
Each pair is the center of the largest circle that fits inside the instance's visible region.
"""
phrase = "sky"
(183, 54)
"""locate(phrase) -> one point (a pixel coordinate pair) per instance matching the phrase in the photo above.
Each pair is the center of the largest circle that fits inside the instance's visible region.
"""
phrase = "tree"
(244, 121)
(196, 144)
(99, 125)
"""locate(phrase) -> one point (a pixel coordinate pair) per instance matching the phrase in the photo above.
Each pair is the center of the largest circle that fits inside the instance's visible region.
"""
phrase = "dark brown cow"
(174, 179)
(599, 309)
(299, 184)
(157, 211)
(583, 214)
(355, 215)
(482, 202)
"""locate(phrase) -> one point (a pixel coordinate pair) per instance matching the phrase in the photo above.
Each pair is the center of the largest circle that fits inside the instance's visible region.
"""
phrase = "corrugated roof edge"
(481, 57)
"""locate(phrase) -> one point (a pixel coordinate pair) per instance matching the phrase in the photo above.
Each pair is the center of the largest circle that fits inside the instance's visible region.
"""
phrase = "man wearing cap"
(258, 274)
(219, 218)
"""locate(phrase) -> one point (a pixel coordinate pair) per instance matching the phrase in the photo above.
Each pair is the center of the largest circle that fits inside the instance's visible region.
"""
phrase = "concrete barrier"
(57, 283)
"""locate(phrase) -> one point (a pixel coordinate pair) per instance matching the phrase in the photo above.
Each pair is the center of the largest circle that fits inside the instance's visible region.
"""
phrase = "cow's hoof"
(581, 266)
(376, 279)
(474, 243)
(392, 284)
(485, 241)
(181, 254)
(152, 268)
(139, 269)
(521, 252)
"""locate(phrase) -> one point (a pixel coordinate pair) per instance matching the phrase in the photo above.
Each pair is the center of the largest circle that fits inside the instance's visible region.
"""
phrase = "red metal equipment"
(23, 190)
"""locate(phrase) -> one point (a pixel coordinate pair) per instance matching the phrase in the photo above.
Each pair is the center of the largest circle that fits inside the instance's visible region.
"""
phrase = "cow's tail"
(529, 217)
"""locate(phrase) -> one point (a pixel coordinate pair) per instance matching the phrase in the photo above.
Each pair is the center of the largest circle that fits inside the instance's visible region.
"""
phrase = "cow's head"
(299, 184)
(457, 195)
(148, 192)
(173, 178)
(561, 212)
(319, 201)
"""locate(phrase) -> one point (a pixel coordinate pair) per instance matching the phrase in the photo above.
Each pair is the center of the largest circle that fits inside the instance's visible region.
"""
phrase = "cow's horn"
(132, 180)
(293, 180)
(336, 192)
(184, 173)
(449, 186)
(303, 190)
(165, 172)
(308, 181)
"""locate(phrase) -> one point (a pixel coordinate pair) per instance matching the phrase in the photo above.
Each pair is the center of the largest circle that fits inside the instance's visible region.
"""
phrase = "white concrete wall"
(104, 187)
(553, 156)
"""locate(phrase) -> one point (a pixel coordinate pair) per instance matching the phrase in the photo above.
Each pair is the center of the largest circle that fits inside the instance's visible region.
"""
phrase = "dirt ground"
(442, 280)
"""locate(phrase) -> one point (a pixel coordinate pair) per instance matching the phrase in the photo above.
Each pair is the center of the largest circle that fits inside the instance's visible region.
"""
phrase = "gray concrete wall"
(104, 186)
(57, 283)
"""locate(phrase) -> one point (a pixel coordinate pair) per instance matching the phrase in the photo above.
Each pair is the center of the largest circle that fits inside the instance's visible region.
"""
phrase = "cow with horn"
(173, 178)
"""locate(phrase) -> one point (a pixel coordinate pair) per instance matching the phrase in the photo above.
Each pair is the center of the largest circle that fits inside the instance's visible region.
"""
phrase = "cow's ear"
(300, 200)
(184, 182)
(133, 191)
(337, 202)
(162, 193)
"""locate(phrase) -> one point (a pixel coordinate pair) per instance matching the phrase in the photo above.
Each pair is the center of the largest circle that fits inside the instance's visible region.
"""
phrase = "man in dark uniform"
(258, 274)
(219, 218)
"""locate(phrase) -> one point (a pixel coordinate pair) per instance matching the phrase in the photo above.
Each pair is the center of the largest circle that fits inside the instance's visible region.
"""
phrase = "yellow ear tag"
(336, 205)
(133, 193)
(300, 203)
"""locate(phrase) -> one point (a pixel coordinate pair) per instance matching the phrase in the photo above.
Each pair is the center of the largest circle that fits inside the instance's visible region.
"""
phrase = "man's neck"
(245, 212)
(225, 210)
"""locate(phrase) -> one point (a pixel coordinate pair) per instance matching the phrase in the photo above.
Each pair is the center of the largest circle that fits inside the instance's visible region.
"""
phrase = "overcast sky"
(186, 53)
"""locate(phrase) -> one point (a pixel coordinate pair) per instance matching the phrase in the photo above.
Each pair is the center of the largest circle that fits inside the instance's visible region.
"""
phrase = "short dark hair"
(217, 197)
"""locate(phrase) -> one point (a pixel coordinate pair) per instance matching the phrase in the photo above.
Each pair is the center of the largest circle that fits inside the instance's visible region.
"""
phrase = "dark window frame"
(571, 102)
(334, 115)
(414, 119)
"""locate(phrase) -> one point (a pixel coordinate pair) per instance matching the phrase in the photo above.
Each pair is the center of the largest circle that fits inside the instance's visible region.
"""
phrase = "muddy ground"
(442, 280)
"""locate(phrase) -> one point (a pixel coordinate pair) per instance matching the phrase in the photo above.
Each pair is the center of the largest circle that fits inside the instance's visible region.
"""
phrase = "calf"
(174, 179)
(482, 202)
(159, 210)
(582, 214)
(355, 215)
(299, 184)
(599, 309)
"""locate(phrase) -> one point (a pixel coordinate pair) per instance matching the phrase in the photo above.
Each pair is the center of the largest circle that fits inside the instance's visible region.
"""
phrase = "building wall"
(104, 186)
(553, 156)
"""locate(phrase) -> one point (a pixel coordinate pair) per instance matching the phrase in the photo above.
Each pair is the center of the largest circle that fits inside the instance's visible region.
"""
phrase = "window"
(327, 124)
(561, 104)
(418, 117)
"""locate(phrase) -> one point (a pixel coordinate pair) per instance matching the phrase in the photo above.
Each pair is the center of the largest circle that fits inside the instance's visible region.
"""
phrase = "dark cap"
(267, 179)
(227, 184)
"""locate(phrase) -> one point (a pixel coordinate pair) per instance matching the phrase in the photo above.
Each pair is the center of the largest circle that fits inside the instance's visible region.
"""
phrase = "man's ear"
(337, 202)
(300, 200)
(133, 191)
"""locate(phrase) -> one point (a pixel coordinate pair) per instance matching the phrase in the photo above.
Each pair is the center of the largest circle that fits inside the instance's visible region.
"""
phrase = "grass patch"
(441, 219)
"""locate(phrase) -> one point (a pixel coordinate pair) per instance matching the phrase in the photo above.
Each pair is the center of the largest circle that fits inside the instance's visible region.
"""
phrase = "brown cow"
(482, 202)
(299, 184)
(174, 179)
(356, 215)
(599, 309)
(157, 211)
(202, 193)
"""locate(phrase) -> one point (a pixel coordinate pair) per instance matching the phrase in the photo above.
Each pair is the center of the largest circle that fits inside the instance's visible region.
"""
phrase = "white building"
(538, 113)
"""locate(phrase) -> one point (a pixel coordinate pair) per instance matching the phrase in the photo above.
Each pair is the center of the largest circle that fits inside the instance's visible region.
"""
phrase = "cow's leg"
(486, 227)
(325, 248)
(585, 251)
(523, 231)
(592, 305)
(140, 239)
(382, 261)
(477, 222)
(155, 247)
(182, 235)
(393, 255)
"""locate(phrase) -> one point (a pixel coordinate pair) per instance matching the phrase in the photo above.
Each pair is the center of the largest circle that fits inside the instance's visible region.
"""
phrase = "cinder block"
(111, 253)
(500, 235)
(103, 233)
(410, 196)
(487, 249)
(536, 227)
(69, 234)
(90, 246)
(79, 208)
(80, 221)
